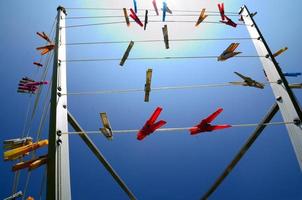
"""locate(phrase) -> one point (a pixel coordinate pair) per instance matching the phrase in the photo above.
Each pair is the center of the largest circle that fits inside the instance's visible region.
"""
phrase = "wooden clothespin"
(202, 17)
(106, 130)
(126, 17)
(148, 84)
(166, 37)
(126, 54)
(45, 49)
(44, 36)
(281, 51)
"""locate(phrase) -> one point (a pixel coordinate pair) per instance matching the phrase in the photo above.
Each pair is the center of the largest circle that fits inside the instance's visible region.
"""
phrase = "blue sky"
(164, 165)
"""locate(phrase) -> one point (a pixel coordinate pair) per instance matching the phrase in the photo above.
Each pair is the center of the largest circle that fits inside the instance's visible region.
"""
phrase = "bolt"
(59, 133)
(267, 56)
(59, 141)
(259, 38)
(297, 122)
(279, 98)
(64, 106)
(59, 94)
(279, 81)
(59, 88)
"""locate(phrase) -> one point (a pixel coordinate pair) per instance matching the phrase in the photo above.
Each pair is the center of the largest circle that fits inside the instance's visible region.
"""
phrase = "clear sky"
(165, 165)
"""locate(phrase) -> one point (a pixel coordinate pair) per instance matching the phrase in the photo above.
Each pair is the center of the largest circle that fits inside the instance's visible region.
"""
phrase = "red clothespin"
(205, 126)
(150, 125)
(221, 10)
(135, 18)
(229, 22)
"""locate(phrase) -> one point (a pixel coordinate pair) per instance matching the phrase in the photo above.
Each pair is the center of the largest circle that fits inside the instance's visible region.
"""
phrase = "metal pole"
(243, 150)
(58, 178)
(99, 155)
(289, 106)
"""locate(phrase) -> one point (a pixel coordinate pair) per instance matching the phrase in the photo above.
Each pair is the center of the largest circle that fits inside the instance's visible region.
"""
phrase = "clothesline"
(154, 21)
(143, 9)
(178, 129)
(155, 58)
(152, 15)
(155, 89)
(157, 40)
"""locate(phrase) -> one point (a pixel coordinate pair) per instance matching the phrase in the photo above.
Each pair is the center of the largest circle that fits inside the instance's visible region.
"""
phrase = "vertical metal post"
(58, 178)
(285, 98)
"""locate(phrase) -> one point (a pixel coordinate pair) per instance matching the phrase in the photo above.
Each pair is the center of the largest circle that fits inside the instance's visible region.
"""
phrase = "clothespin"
(14, 196)
(38, 64)
(126, 17)
(30, 198)
(164, 10)
(148, 84)
(253, 14)
(126, 54)
(135, 6)
(45, 49)
(280, 51)
(221, 11)
(44, 36)
(202, 17)
(205, 126)
(296, 86)
(135, 18)
(106, 130)
(146, 20)
(150, 125)
(15, 143)
(21, 151)
(30, 164)
(292, 74)
(229, 52)
(155, 7)
(229, 22)
(166, 37)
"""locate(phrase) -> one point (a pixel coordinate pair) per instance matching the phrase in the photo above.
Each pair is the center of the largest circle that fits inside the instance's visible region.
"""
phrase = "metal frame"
(289, 106)
(269, 116)
(58, 177)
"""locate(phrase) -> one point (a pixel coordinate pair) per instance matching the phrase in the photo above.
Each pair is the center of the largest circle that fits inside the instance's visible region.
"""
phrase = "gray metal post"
(268, 117)
(58, 178)
(289, 106)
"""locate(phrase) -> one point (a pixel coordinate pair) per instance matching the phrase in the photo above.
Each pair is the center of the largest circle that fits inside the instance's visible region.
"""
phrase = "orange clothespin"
(45, 49)
(21, 151)
(31, 164)
(30, 198)
(44, 36)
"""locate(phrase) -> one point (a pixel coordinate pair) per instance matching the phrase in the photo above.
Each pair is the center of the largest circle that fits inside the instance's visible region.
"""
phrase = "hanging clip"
(148, 84)
(155, 7)
(202, 17)
(135, 17)
(229, 52)
(166, 37)
(146, 20)
(106, 130)
(126, 54)
(126, 17)
(281, 51)
(45, 49)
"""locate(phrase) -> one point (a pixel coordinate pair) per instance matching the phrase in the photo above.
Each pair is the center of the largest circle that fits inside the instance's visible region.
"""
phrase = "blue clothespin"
(164, 11)
(135, 6)
(293, 74)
